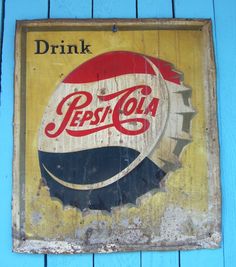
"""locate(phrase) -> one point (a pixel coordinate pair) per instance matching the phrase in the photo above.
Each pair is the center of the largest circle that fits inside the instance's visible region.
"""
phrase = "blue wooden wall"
(223, 15)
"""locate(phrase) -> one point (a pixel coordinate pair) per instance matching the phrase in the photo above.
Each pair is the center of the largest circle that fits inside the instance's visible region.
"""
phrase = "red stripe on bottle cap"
(116, 63)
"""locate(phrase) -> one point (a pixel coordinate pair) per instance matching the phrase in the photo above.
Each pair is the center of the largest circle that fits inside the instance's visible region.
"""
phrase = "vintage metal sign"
(115, 137)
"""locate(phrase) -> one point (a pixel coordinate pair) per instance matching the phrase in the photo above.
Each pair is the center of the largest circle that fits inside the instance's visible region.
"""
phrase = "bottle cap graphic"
(113, 128)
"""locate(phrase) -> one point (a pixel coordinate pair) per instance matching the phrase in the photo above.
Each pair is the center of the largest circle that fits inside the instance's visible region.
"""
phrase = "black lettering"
(54, 48)
(62, 47)
(70, 49)
(42, 47)
(84, 47)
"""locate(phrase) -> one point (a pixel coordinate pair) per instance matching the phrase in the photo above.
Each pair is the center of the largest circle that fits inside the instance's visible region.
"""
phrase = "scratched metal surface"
(155, 215)
(223, 16)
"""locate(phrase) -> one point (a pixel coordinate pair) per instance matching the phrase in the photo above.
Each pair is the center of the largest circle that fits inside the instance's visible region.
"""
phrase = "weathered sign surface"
(115, 136)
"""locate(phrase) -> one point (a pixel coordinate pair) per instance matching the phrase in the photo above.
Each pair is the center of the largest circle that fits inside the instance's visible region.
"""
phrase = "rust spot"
(88, 234)
(103, 91)
(41, 184)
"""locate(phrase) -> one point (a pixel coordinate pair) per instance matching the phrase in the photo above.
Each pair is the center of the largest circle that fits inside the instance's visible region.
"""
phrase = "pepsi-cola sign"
(115, 136)
(103, 122)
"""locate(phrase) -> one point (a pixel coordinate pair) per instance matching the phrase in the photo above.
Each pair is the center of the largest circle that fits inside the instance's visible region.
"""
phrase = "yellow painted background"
(187, 187)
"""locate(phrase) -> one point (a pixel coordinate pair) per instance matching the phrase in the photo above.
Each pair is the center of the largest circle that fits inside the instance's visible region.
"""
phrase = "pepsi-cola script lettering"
(76, 116)
(103, 124)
